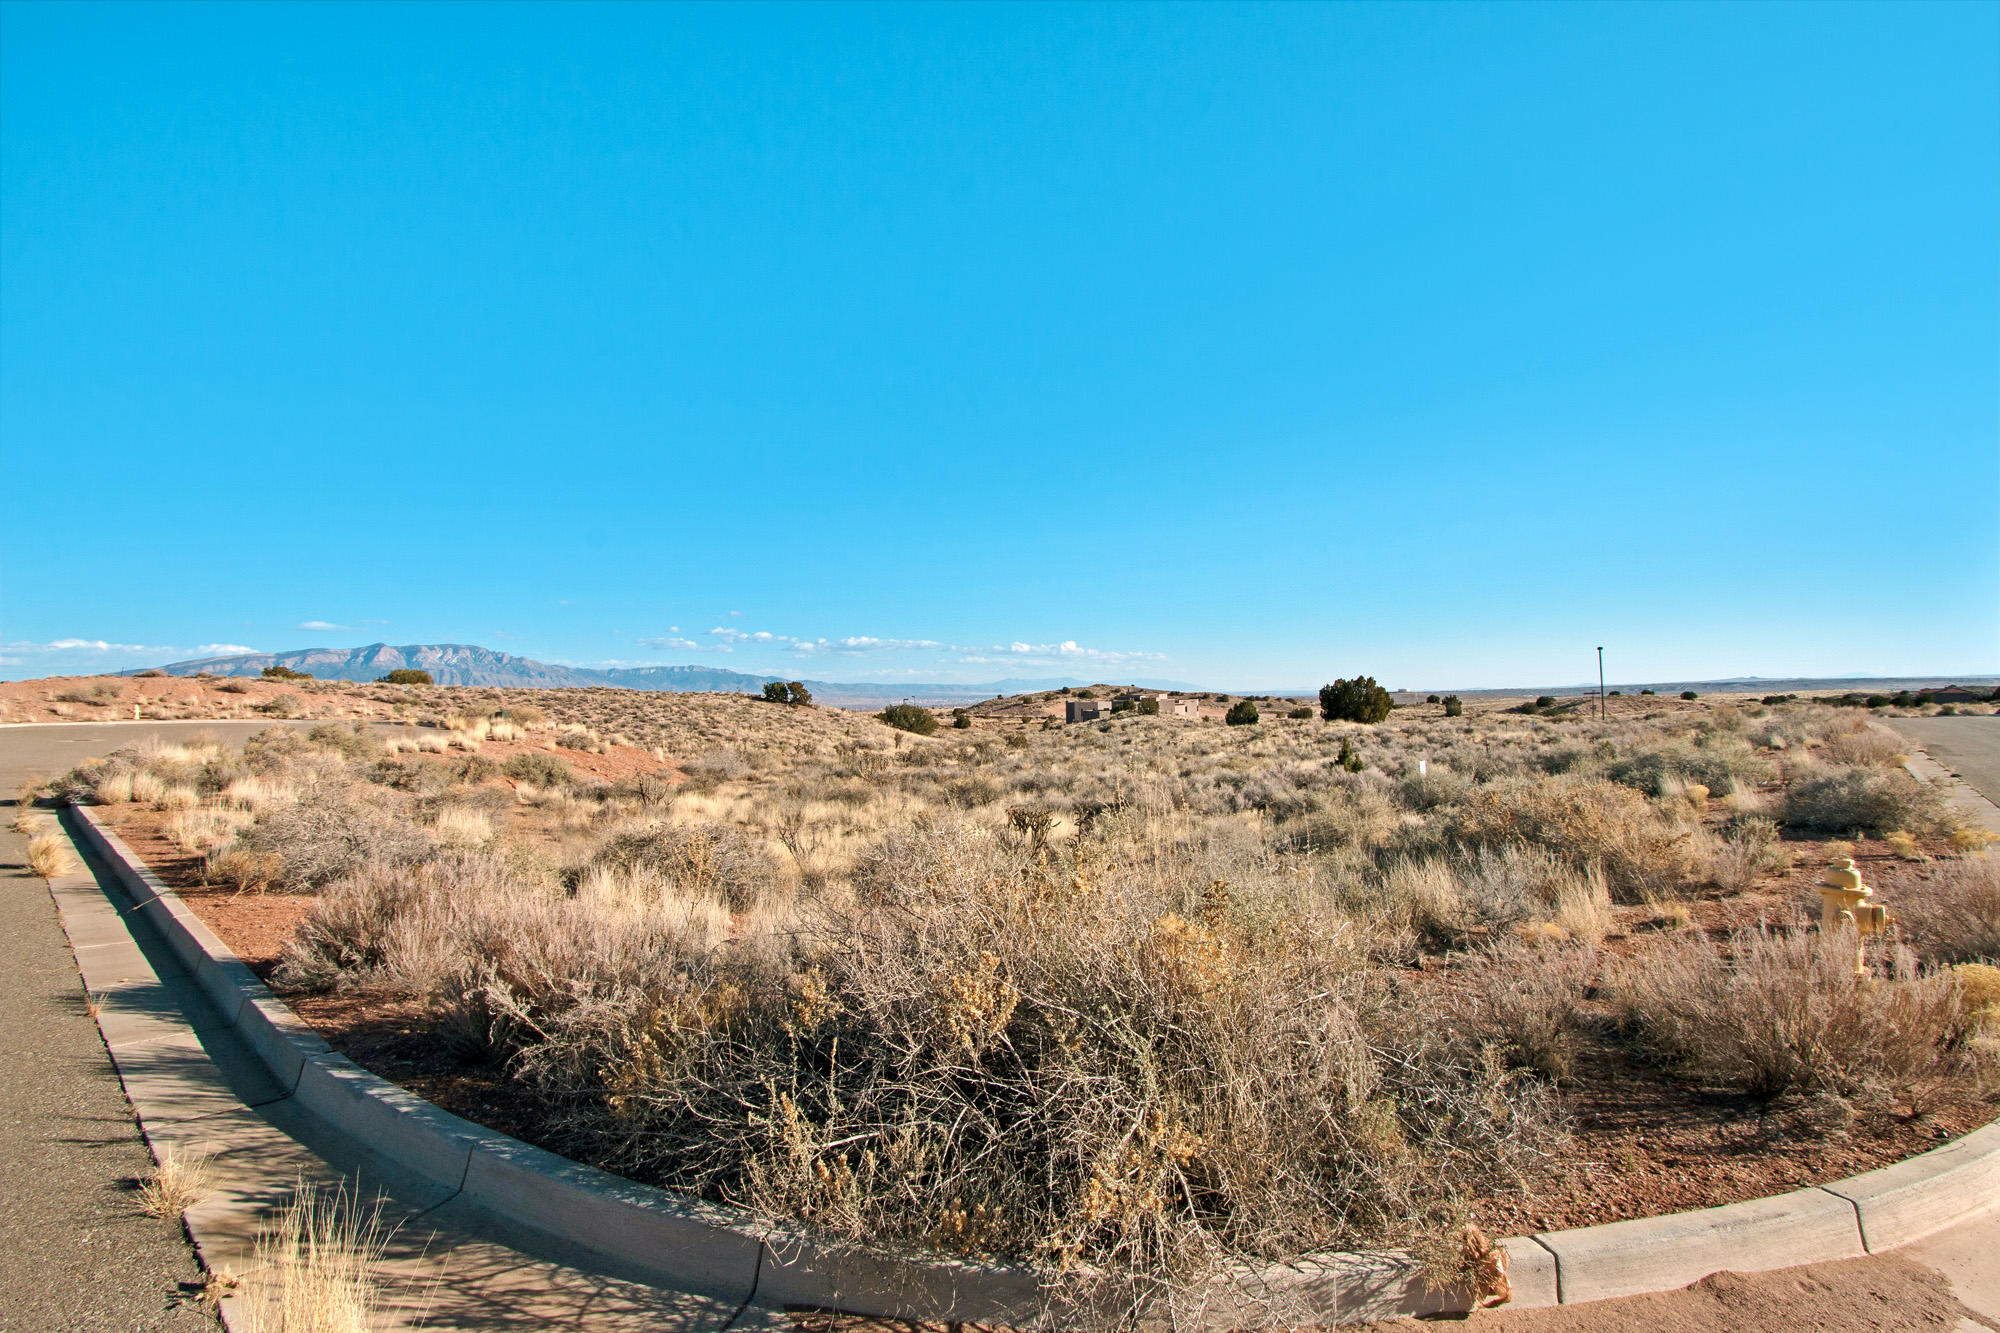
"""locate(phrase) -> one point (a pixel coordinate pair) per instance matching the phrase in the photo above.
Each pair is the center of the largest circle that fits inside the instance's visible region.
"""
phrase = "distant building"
(1172, 707)
(1085, 710)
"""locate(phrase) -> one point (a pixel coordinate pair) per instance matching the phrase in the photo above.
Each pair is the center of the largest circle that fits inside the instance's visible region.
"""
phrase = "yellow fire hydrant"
(1845, 901)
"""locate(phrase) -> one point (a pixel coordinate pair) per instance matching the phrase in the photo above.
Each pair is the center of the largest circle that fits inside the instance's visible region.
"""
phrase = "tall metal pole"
(1600, 682)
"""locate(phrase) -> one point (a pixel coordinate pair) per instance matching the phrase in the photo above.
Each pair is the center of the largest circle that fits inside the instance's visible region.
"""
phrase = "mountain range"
(469, 664)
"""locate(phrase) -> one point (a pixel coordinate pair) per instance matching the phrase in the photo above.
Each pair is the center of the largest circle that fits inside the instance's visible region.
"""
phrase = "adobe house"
(1085, 710)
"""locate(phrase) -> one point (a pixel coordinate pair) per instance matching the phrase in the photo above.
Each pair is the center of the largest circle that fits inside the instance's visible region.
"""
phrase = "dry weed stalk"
(179, 1181)
(318, 1260)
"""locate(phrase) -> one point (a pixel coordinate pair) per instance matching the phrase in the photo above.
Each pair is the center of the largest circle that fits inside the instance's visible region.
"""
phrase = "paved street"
(1968, 746)
(75, 1250)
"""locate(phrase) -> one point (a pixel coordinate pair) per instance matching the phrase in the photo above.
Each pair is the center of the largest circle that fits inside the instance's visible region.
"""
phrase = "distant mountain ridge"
(470, 664)
(465, 664)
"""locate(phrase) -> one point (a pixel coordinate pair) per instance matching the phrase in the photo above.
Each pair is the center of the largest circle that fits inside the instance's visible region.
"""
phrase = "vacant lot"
(1143, 998)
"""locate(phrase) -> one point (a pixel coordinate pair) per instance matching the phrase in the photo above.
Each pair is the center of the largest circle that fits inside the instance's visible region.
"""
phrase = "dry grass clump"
(528, 717)
(1051, 1059)
(1966, 841)
(1953, 915)
(27, 819)
(463, 826)
(1048, 1061)
(700, 858)
(177, 1183)
(1851, 798)
(317, 1266)
(200, 832)
(1530, 998)
(538, 770)
(1447, 900)
(49, 855)
(1750, 848)
(1979, 984)
(1638, 844)
(331, 830)
(1774, 1012)
(1864, 746)
(114, 788)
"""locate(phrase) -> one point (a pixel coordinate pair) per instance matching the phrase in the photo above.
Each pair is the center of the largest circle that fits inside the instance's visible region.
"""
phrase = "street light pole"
(1600, 682)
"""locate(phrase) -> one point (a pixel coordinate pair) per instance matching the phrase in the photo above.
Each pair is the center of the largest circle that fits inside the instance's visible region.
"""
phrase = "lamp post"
(1600, 682)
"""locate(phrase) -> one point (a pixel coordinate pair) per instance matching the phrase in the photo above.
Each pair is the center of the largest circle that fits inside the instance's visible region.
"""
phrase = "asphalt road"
(75, 1251)
(1968, 746)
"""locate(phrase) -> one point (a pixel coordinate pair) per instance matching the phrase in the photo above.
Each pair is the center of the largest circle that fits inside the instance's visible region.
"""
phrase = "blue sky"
(1238, 345)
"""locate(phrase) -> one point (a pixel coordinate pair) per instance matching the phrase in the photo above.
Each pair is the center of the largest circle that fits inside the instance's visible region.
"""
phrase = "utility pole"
(1600, 682)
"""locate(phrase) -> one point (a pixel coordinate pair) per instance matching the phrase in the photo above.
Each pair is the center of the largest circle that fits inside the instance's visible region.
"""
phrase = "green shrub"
(1121, 705)
(775, 691)
(1454, 706)
(404, 676)
(796, 693)
(1300, 713)
(961, 720)
(276, 672)
(1349, 759)
(1689, 694)
(1241, 714)
(1149, 707)
(538, 769)
(911, 718)
(1357, 700)
(1431, 699)
(1649, 691)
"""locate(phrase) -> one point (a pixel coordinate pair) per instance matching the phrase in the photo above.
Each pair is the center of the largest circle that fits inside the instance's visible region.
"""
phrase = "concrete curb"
(736, 1256)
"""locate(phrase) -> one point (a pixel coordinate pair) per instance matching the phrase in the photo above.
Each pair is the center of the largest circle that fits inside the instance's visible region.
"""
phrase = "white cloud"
(71, 656)
(677, 644)
(319, 625)
(58, 646)
(1018, 652)
(1070, 650)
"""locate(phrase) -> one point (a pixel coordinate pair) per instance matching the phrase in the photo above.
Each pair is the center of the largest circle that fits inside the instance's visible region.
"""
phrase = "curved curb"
(734, 1255)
